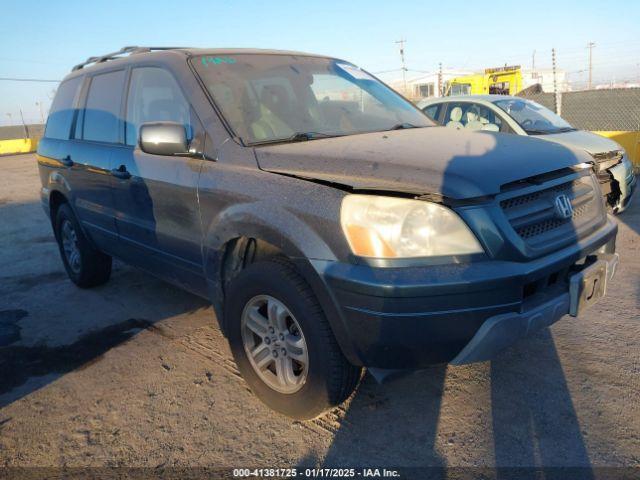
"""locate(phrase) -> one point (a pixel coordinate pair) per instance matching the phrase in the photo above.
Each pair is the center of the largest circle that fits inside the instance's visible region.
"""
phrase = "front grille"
(534, 218)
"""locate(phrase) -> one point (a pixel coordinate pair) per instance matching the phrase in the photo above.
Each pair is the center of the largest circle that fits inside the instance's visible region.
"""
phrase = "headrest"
(164, 110)
(274, 97)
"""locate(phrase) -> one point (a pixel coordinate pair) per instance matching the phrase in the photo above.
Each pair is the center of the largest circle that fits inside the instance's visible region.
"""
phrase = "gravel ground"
(135, 373)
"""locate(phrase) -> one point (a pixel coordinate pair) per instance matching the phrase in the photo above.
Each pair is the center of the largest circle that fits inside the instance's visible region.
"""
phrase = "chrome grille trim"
(533, 217)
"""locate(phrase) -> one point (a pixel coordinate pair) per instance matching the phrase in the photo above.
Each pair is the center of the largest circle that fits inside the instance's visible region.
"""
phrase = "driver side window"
(154, 96)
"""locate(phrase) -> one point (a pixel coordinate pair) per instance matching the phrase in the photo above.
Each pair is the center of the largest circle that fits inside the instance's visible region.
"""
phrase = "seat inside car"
(454, 118)
(273, 106)
(473, 122)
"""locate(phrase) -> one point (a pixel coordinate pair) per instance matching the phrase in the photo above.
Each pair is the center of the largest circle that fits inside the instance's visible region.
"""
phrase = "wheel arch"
(56, 199)
(234, 242)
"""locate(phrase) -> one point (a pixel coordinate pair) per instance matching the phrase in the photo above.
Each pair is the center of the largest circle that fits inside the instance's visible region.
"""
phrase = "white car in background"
(508, 114)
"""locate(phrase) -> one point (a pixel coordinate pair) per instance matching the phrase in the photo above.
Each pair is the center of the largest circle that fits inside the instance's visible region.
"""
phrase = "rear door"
(156, 201)
(54, 149)
(99, 131)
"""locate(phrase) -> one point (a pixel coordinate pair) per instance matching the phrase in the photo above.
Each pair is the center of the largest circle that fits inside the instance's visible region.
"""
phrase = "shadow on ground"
(49, 327)
(532, 421)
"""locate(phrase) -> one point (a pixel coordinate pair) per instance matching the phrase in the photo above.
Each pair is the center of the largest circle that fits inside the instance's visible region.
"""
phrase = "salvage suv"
(332, 224)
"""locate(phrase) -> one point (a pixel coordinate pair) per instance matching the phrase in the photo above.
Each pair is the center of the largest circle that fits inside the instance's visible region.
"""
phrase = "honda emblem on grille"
(563, 207)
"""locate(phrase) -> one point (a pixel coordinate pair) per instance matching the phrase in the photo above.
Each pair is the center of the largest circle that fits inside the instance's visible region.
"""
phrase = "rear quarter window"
(433, 111)
(63, 110)
(102, 122)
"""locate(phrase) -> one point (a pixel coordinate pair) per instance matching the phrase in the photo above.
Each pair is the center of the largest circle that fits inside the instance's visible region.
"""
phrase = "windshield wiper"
(302, 136)
(297, 137)
(537, 132)
(402, 126)
(549, 132)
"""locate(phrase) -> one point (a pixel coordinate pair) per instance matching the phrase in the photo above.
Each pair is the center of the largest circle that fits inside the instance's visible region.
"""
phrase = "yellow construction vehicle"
(505, 80)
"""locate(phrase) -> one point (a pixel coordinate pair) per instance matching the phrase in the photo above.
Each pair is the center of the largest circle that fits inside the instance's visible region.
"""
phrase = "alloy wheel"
(274, 344)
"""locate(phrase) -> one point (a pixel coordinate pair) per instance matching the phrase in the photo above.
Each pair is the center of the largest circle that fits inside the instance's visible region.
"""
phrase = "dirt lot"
(135, 373)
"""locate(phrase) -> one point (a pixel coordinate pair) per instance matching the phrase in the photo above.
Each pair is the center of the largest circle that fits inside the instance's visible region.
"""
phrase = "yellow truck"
(505, 80)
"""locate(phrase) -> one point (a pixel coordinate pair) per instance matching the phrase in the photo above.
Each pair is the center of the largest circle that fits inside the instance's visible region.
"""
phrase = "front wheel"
(283, 344)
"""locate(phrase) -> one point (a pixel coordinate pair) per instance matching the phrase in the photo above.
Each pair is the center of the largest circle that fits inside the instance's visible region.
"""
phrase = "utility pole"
(590, 46)
(556, 95)
(533, 61)
(401, 42)
(533, 65)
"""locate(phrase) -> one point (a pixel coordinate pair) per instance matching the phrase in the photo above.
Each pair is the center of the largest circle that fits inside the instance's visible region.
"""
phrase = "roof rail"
(123, 51)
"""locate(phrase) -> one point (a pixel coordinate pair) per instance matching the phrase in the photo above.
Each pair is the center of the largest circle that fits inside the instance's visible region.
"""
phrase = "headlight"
(389, 227)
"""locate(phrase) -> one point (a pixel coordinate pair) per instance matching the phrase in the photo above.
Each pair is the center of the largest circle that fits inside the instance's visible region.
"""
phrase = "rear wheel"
(283, 344)
(86, 266)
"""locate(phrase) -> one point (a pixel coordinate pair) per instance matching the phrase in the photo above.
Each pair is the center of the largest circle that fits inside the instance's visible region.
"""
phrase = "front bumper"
(410, 317)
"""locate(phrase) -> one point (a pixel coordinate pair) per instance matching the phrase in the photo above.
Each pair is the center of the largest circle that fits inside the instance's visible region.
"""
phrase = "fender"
(258, 220)
(284, 230)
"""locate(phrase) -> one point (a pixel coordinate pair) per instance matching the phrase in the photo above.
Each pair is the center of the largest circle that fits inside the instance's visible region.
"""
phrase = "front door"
(156, 200)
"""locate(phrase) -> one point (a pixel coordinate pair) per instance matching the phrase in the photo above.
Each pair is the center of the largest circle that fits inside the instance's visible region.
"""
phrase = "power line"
(12, 79)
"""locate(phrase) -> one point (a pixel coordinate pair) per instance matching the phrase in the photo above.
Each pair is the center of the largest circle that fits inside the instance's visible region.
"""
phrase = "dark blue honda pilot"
(332, 225)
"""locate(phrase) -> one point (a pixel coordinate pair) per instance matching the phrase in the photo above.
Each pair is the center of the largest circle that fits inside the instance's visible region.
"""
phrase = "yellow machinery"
(505, 80)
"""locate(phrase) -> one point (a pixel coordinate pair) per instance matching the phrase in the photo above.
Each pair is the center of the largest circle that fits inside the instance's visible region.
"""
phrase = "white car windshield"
(534, 118)
(277, 97)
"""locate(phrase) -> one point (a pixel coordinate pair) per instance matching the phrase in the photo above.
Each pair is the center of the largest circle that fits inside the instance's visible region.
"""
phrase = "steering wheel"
(527, 122)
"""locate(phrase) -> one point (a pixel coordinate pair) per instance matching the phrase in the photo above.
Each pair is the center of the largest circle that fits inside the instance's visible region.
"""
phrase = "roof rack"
(123, 51)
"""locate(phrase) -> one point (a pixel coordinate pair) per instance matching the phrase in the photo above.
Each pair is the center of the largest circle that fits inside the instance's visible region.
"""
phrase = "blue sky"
(44, 39)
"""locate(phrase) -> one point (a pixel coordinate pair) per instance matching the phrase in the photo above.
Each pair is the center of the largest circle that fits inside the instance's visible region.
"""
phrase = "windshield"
(267, 98)
(532, 117)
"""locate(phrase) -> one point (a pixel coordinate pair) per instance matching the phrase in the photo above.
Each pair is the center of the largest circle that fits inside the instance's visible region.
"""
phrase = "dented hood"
(433, 160)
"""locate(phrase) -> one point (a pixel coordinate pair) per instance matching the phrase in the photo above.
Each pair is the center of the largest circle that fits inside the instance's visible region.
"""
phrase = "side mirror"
(163, 138)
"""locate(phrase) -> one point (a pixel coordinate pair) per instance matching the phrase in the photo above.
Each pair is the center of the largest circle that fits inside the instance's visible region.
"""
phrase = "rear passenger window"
(63, 109)
(102, 110)
(154, 96)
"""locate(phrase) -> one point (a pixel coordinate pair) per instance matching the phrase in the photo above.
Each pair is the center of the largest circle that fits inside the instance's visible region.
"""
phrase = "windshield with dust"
(275, 97)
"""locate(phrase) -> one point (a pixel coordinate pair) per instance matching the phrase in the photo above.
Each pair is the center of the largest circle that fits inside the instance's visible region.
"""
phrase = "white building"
(426, 84)
(544, 76)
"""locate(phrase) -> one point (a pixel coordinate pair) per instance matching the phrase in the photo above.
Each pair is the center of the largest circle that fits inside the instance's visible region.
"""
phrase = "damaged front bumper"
(498, 332)
(412, 317)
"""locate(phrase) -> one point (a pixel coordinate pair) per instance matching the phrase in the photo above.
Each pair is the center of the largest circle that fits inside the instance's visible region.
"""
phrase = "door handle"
(66, 161)
(121, 172)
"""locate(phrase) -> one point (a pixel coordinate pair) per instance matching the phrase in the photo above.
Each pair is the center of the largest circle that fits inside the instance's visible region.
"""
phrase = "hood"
(583, 140)
(433, 160)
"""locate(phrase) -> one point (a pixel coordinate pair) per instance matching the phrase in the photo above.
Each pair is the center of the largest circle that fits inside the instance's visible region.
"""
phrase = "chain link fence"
(34, 131)
(616, 109)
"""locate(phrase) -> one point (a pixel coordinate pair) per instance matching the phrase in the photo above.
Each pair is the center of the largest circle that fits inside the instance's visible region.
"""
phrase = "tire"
(328, 378)
(86, 266)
